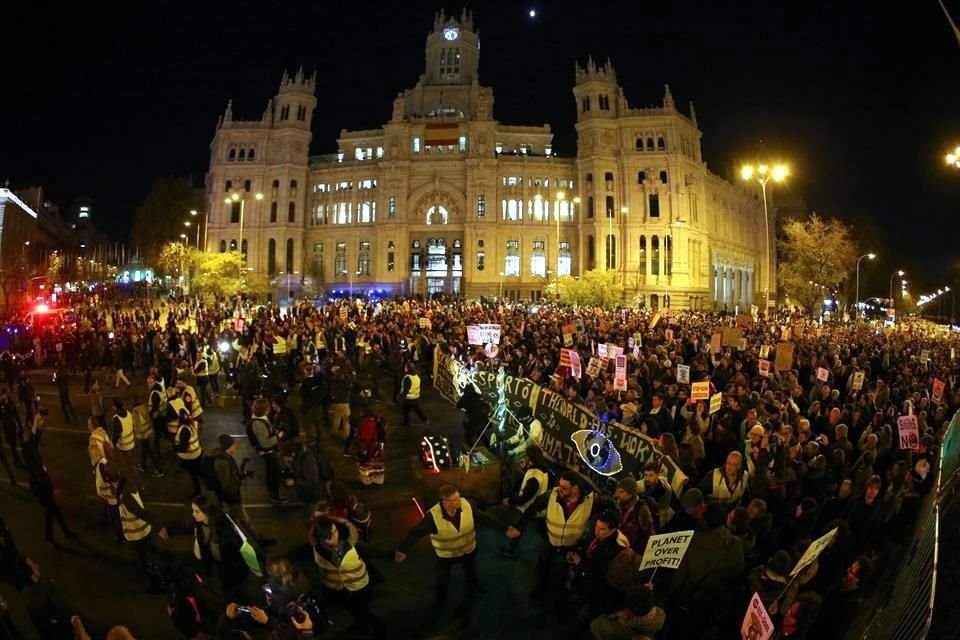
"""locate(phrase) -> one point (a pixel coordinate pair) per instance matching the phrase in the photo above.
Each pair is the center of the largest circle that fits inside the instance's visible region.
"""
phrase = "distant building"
(445, 198)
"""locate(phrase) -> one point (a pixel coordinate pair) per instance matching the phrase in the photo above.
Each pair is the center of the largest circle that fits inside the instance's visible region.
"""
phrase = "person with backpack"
(266, 439)
(312, 476)
(224, 477)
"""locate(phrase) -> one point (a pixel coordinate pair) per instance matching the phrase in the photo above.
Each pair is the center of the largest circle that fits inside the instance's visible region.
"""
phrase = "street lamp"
(866, 255)
(561, 196)
(350, 276)
(235, 197)
(763, 174)
(898, 272)
(953, 158)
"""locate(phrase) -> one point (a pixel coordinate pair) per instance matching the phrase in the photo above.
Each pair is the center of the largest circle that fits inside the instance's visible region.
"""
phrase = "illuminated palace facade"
(445, 198)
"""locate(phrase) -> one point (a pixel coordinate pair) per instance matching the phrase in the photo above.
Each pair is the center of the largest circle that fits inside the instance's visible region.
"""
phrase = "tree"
(219, 274)
(14, 274)
(595, 288)
(160, 218)
(55, 267)
(175, 259)
(817, 255)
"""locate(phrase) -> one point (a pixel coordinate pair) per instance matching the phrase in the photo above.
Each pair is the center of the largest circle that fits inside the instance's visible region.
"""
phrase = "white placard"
(480, 334)
(909, 432)
(757, 624)
(765, 368)
(620, 374)
(858, 380)
(666, 550)
(602, 350)
(813, 551)
(700, 391)
(683, 373)
(765, 351)
(822, 374)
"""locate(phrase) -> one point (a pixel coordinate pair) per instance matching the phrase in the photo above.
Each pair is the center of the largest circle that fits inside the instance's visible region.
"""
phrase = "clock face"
(451, 33)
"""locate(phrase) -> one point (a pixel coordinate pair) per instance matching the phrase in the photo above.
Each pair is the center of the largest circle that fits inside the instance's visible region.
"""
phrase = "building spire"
(668, 98)
(693, 113)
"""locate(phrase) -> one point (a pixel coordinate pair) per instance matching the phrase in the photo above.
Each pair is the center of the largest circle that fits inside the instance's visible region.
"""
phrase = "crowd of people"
(791, 455)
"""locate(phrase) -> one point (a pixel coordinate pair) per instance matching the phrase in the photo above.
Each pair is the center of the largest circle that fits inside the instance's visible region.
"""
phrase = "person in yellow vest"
(176, 409)
(143, 433)
(410, 393)
(213, 370)
(569, 507)
(99, 444)
(535, 483)
(726, 486)
(137, 529)
(189, 451)
(124, 442)
(451, 525)
(192, 403)
(345, 577)
(104, 482)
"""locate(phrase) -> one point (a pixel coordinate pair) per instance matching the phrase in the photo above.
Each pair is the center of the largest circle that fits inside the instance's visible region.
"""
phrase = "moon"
(533, 13)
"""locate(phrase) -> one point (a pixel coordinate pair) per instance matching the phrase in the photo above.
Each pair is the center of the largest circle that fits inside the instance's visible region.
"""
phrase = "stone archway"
(437, 207)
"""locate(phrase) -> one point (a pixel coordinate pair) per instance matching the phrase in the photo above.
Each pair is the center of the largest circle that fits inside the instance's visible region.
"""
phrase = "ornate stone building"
(445, 198)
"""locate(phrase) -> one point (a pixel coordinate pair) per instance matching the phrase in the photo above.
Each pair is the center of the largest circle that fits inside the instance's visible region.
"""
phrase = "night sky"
(859, 97)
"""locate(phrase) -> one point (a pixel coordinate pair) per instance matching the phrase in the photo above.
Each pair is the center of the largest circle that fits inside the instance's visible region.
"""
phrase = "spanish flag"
(439, 133)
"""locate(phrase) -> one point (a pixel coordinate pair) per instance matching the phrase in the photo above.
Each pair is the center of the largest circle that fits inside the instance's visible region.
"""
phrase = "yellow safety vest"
(214, 368)
(448, 542)
(350, 575)
(201, 368)
(193, 447)
(542, 480)
(125, 442)
(279, 346)
(105, 490)
(162, 405)
(134, 528)
(414, 392)
(721, 493)
(98, 444)
(563, 531)
(173, 424)
(195, 409)
(142, 425)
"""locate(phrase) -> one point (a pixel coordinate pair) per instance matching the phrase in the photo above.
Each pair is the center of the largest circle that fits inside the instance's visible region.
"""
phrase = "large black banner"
(560, 419)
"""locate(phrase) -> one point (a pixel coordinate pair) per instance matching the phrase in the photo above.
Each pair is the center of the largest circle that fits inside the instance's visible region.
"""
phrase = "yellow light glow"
(561, 195)
(576, 200)
(538, 197)
(762, 169)
(780, 172)
(227, 200)
(258, 196)
(235, 197)
(951, 159)
(623, 210)
(746, 172)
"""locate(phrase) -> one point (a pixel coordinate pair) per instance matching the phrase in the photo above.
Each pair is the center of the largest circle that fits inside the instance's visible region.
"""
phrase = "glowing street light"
(235, 197)
(953, 158)
(866, 255)
(763, 174)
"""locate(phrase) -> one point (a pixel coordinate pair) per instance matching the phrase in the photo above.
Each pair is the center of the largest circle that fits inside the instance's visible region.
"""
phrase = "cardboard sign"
(730, 336)
(683, 373)
(571, 358)
(745, 320)
(938, 386)
(602, 350)
(568, 330)
(613, 350)
(620, 374)
(784, 358)
(489, 333)
(743, 345)
(757, 624)
(822, 374)
(925, 356)
(857, 380)
(669, 334)
(637, 339)
(765, 368)
(716, 401)
(786, 334)
(754, 311)
(764, 351)
(593, 367)
(716, 343)
(425, 323)
(700, 391)
(666, 550)
(631, 342)
(578, 325)
(909, 432)
(813, 551)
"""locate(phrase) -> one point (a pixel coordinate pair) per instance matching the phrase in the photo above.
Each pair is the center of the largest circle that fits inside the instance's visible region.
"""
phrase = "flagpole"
(956, 32)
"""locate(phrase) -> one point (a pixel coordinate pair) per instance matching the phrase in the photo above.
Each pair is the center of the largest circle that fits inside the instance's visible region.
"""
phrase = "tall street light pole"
(866, 255)
(193, 213)
(235, 197)
(561, 196)
(763, 174)
(893, 304)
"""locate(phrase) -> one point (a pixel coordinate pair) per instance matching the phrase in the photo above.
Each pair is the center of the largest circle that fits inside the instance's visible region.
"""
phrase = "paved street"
(97, 573)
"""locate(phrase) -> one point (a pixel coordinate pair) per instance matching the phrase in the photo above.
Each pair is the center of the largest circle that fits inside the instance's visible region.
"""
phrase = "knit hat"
(692, 498)
(628, 484)
(226, 441)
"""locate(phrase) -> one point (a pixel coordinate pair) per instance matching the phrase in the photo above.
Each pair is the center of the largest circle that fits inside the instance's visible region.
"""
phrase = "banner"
(909, 432)
(765, 368)
(813, 551)
(938, 386)
(757, 624)
(683, 373)
(858, 380)
(666, 550)
(654, 320)
(620, 374)
(700, 391)
(784, 357)
(716, 401)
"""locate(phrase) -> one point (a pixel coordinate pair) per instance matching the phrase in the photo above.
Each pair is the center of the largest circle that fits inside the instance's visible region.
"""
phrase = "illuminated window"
(416, 144)
(367, 212)
(463, 143)
(481, 206)
(437, 215)
(392, 207)
(340, 261)
(481, 260)
(564, 262)
(538, 261)
(390, 261)
(511, 266)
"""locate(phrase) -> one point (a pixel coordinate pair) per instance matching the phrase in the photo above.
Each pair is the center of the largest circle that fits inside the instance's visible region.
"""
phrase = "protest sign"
(730, 336)
(665, 550)
(909, 432)
(716, 401)
(938, 386)
(765, 368)
(764, 351)
(925, 356)
(743, 345)
(683, 373)
(613, 350)
(757, 624)
(473, 335)
(813, 551)
(754, 311)
(669, 334)
(491, 350)
(593, 367)
(59, 347)
(716, 343)
(425, 323)
(602, 349)
(567, 330)
(571, 359)
(620, 375)
(822, 374)
(784, 357)
(578, 325)
(637, 339)
(490, 333)
(636, 352)
(745, 320)
(700, 391)
(857, 381)
(631, 342)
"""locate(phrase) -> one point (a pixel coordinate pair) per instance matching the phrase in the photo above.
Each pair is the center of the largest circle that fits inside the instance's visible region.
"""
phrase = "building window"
(661, 145)
(611, 251)
(223, 246)
(437, 215)
(480, 243)
(246, 186)
(415, 244)
(343, 213)
(511, 264)
(243, 154)
(416, 262)
(668, 256)
(319, 215)
(363, 260)
(340, 261)
(416, 144)
(317, 266)
(232, 155)
(233, 245)
(538, 262)
(608, 177)
(276, 185)
(663, 177)
(235, 211)
(654, 205)
(273, 212)
(604, 102)
(285, 112)
(513, 210)
(367, 212)
(641, 177)
(638, 144)
(291, 212)
(649, 144)
(392, 207)
(379, 153)
(251, 154)
(590, 207)
(228, 186)
(390, 261)
(585, 103)
(481, 260)
(655, 257)
(610, 207)
(462, 143)
(272, 257)
(590, 180)
(642, 267)
(564, 263)
(481, 206)
(591, 253)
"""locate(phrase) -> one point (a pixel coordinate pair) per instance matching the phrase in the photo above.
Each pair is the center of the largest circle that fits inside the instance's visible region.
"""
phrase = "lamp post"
(893, 305)
(866, 255)
(763, 174)
(193, 213)
(235, 197)
(502, 274)
(350, 276)
(561, 196)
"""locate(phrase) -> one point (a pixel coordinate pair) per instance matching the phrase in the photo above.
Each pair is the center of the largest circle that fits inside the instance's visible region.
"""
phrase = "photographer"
(225, 477)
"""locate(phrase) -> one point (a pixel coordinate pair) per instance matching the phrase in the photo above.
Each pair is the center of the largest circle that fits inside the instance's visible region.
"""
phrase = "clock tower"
(453, 51)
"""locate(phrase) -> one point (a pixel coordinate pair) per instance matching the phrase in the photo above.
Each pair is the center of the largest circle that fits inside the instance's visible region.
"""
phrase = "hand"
(163, 534)
(259, 615)
(306, 625)
(399, 556)
(505, 502)
(232, 612)
(513, 532)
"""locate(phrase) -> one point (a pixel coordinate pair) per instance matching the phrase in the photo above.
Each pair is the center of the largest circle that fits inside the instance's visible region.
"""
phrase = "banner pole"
(655, 569)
